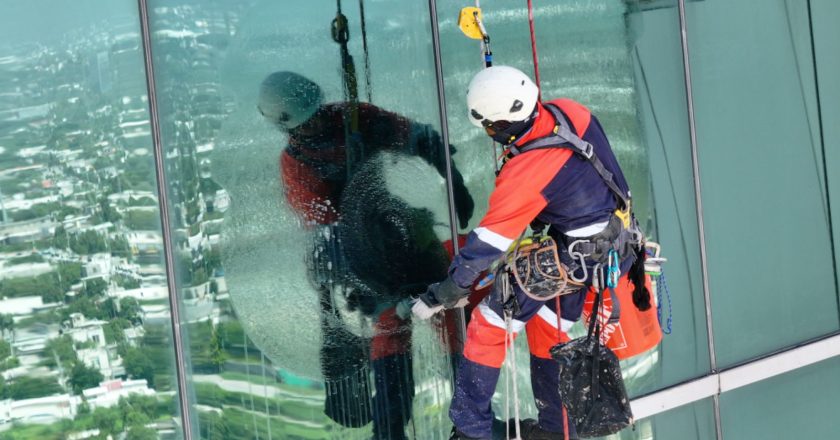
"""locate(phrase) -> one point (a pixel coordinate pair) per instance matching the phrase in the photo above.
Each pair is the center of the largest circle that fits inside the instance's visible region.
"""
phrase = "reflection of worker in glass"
(372, 249)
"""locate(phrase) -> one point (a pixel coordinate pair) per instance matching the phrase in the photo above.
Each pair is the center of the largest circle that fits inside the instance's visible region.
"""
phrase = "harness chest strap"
(563, 137)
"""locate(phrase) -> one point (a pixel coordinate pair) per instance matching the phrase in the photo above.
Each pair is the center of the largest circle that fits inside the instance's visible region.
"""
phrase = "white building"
(108, 393)
(20, 232)
(47, 410)
(23, 270)
(85, 331)
(24, 305)
(42, 410)
(141, 293)
(98, 265)
(145, 242)
(92, 349)
(32, 340)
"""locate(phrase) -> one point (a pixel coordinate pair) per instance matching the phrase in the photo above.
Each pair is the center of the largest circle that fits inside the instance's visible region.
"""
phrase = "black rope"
(365, 50)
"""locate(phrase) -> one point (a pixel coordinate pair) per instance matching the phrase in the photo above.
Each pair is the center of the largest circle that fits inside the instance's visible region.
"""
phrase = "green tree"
(126, 282)
(5, 350)
(140, 432)
(83, 377)
(130, 309)
(120, 246)
(142, 220)
(46, 285)
(87, 307)
(107, 213)
(107, 420)
(157, 347)
(61, 348)
(69, 273)
(27, 387)
(60, 238)
(7, 324)
(9, 363)
(115, 330)
(217, 355)
(83, 409)
(213, 426)
(95, 287)
(88, 242)
(31, 258)
(139, 366)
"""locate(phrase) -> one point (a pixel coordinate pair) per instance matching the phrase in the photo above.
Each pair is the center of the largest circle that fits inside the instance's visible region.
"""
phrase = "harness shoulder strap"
(564, 137)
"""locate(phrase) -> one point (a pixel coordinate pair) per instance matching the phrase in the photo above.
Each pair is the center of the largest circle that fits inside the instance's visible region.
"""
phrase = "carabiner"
(613, 270)
(579, 256)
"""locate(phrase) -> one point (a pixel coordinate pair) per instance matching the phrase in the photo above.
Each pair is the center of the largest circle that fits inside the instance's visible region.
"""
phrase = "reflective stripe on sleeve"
(498, 241)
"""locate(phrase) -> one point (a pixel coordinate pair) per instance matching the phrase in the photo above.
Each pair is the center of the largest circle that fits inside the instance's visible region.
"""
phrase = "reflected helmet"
(500, 96)
(288, 99)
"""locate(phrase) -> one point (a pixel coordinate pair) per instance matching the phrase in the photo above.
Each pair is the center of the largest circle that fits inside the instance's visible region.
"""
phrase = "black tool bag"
(591, 385)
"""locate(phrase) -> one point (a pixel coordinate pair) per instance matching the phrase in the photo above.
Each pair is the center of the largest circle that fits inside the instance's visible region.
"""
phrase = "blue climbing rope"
(662, 284)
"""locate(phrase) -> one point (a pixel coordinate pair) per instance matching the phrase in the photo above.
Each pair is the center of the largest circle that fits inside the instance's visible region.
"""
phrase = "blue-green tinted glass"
(763, 175)
(824, 14)
(694, 421)
(85, 336)
(304, 162)
(623, 61)
(800, 404)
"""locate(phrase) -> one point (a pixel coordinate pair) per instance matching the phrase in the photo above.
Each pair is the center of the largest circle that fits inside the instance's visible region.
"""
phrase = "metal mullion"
(444, 129)
(754, 371)
(166, 228)
(698, 200)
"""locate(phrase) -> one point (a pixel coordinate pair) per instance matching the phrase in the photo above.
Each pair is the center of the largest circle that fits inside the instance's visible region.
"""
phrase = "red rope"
(559, 336)
(534, 46)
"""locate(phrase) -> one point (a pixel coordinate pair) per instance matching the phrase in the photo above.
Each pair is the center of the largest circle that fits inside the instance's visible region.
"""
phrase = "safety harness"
(602, 252)
(622, 232)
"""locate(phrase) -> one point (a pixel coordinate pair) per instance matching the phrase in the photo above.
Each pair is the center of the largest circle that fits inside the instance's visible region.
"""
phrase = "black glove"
(446, 293)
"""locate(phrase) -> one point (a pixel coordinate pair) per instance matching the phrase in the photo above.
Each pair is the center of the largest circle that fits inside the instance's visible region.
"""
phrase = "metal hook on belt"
(597, 277)
(613, 270)
(579, 256)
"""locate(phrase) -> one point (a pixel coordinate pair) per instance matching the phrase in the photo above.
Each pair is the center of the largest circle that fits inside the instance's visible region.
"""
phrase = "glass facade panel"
(85, 342)
(762, 172)
(305, 170)
(672, 214)
(825, 36)
(694, 421)
(308, 199)
(799, 404)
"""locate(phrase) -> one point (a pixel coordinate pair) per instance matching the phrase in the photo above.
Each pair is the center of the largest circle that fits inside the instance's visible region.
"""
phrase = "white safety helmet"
(500, 93)
(288, 99)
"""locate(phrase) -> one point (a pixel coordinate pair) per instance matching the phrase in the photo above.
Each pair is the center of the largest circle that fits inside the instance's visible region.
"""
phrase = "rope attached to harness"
(510, 377)
(560, 338)
(534, 48)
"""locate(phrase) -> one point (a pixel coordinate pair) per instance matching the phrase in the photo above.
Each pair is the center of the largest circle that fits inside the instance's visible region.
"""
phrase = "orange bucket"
(636, 331)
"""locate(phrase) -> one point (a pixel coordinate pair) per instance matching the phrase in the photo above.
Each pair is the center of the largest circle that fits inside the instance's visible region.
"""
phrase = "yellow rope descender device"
(469, 21)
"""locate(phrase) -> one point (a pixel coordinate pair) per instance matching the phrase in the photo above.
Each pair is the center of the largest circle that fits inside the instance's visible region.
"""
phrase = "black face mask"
(506, 132)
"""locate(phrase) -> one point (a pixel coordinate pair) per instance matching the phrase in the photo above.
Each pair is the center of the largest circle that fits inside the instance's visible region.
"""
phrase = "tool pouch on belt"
(538, 271)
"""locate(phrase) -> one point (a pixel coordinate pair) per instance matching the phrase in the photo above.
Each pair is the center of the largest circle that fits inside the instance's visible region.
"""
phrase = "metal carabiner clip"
(613, 270)
(579, 256)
